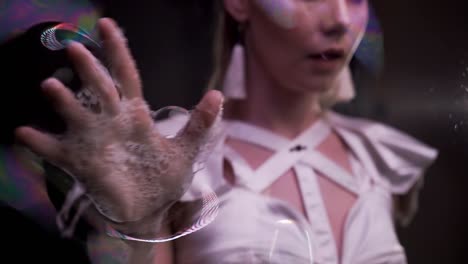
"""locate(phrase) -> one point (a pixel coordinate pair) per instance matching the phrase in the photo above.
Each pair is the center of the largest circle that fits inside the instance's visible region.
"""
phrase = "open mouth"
(328, 55)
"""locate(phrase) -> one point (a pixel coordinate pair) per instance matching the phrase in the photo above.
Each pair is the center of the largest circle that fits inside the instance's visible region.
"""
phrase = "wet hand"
(129, 170)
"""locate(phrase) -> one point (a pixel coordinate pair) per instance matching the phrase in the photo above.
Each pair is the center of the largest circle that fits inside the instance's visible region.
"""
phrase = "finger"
(42, 144)
(202, 119)
(92, 73)
(64, 101)
(122, 64)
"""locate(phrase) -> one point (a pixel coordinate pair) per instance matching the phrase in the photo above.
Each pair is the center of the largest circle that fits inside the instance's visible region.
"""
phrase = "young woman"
(282, 155)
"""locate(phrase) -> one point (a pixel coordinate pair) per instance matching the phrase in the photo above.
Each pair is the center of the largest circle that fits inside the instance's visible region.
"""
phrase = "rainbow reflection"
(18, 15)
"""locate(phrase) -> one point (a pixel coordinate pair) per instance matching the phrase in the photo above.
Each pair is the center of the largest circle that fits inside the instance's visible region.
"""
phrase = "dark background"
(422, 91)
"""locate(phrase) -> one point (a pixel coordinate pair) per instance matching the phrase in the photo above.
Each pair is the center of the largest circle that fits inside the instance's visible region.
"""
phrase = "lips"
(330, 54)
(326, 61)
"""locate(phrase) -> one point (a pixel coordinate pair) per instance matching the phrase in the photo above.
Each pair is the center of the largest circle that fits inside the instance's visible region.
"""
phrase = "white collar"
(287, 154)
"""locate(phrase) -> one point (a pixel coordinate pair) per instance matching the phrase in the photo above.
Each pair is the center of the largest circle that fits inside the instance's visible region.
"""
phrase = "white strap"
(329, 168)
(284, 159)
(324, 241)
(255, 135)
(362, 154)
(301, 149)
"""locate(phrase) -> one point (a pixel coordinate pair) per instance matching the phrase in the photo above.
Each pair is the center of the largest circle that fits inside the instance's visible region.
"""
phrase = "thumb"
(202, 119)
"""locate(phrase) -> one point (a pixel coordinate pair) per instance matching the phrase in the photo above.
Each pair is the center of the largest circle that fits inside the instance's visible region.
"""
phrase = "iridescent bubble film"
(206, 211)
(170, 112)
(18, 15)
(371, 50)
(57, 37)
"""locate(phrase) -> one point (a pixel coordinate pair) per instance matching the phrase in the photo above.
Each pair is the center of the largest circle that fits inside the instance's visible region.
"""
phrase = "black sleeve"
(24, 241)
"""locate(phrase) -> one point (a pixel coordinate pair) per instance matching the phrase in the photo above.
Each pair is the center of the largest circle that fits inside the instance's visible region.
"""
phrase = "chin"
(317, 84)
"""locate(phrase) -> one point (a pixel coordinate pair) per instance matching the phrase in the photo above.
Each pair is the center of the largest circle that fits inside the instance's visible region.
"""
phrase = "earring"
(234, 79)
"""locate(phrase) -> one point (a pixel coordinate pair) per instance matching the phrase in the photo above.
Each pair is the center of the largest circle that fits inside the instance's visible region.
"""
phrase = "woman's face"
(304, 44)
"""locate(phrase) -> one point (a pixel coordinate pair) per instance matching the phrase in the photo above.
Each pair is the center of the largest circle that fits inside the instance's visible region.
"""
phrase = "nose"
(335, 18)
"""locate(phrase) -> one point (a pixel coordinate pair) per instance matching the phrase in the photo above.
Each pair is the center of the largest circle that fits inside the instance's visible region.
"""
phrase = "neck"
(276, 108)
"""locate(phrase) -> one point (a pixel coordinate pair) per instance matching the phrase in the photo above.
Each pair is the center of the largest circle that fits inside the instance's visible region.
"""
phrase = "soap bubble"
(170, 120)
(19, 15)
(59, 36)
(285, 226)
(205, 212)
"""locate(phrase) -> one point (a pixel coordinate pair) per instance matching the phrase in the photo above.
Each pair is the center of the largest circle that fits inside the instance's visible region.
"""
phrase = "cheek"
(281, 12)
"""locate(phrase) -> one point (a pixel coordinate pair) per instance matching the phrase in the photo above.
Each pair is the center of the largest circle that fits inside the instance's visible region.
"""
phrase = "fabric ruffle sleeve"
(397, 158)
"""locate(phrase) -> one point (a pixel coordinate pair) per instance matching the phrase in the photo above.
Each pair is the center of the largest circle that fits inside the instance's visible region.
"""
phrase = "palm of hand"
(128, 169)
(123, 161)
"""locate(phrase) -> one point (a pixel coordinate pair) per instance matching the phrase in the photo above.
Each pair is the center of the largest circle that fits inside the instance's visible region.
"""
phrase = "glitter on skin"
(281, 12)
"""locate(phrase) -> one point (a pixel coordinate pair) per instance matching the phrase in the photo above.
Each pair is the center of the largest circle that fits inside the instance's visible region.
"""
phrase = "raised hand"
(128, 169)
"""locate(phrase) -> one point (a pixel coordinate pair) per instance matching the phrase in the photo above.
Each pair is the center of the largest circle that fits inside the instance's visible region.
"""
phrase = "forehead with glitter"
(19, 15)
(282, 12)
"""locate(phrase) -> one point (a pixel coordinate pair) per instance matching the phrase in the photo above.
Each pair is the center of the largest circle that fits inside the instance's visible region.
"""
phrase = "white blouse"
(255, 228)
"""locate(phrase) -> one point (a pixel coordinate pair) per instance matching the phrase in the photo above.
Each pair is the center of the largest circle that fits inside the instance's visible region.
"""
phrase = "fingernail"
(72, 44)
(109, 20)
(219, 96)
(208, 104)
(46, 83)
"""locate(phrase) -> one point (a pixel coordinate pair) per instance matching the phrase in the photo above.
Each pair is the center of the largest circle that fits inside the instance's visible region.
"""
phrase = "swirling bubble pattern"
(57, 37)
(208, 213)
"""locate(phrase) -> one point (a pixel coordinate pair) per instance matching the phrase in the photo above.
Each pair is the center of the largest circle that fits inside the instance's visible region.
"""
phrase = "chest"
(288, 188)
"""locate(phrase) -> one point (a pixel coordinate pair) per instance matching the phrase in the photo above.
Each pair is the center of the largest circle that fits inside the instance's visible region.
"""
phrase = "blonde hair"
(227, 34)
